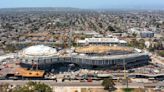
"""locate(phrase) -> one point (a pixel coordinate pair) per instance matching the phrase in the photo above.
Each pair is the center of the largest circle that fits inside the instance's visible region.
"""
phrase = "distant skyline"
(86, 4)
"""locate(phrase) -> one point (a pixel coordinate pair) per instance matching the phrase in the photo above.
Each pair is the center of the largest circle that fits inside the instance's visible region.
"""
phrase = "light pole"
(125, 75)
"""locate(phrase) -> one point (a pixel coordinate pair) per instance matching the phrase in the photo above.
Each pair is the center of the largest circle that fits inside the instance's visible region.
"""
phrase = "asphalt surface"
(54, 83)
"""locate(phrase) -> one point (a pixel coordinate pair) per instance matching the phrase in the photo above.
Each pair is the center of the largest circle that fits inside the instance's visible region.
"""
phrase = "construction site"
(89, 56)
(40, 57)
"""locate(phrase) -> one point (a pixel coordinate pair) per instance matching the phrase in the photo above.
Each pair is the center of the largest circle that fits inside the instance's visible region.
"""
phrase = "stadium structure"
(114, 57)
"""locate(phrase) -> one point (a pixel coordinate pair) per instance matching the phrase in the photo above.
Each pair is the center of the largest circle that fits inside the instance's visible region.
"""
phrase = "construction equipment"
(29, 73)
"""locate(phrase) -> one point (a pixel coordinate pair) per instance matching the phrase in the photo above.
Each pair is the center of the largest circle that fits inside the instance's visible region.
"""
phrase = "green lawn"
(128, 89)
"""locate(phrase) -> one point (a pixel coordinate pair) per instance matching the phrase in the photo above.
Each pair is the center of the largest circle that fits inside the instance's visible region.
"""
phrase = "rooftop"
(38, 50)
(101, 49)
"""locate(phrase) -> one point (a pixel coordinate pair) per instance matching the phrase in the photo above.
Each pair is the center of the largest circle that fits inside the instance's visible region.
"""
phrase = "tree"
(34, 87)
(141, 43)
(100, 25)
(4, 87)
(134, 43)
(110, 28)
(151, 48)
(161, 53)
(108, 84)
(128, 90)
(134, 35)
(10, 48)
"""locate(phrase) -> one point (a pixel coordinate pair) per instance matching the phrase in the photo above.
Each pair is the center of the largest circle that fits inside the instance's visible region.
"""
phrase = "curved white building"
(38, 51)
(45, 57)
(38, 54)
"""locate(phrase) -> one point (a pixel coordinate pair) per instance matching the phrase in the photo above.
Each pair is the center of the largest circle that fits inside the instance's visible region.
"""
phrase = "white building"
(134, 31)
(143, 33)
(38, 51)
(102, 41)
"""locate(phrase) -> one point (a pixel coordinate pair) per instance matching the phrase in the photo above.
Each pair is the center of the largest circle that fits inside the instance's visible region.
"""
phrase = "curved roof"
(39, 50)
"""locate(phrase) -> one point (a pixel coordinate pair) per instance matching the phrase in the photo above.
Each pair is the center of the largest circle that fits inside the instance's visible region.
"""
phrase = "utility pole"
(125, 75)
(32, 68)
(37, 64)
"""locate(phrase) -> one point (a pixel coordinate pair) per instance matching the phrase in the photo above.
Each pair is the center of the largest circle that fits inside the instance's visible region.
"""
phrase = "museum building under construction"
(113, 57)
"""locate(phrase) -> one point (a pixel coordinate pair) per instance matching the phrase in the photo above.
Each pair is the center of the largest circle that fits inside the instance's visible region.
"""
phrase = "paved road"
(98, 84)
(155, 59)
(52, 83)
(140, 85)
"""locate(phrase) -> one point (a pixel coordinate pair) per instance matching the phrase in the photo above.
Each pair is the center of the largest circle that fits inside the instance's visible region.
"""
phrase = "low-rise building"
(146, 34)
(102, 41)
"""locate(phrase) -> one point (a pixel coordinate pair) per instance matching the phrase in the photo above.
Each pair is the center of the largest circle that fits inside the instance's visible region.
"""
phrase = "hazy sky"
(91, 4)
